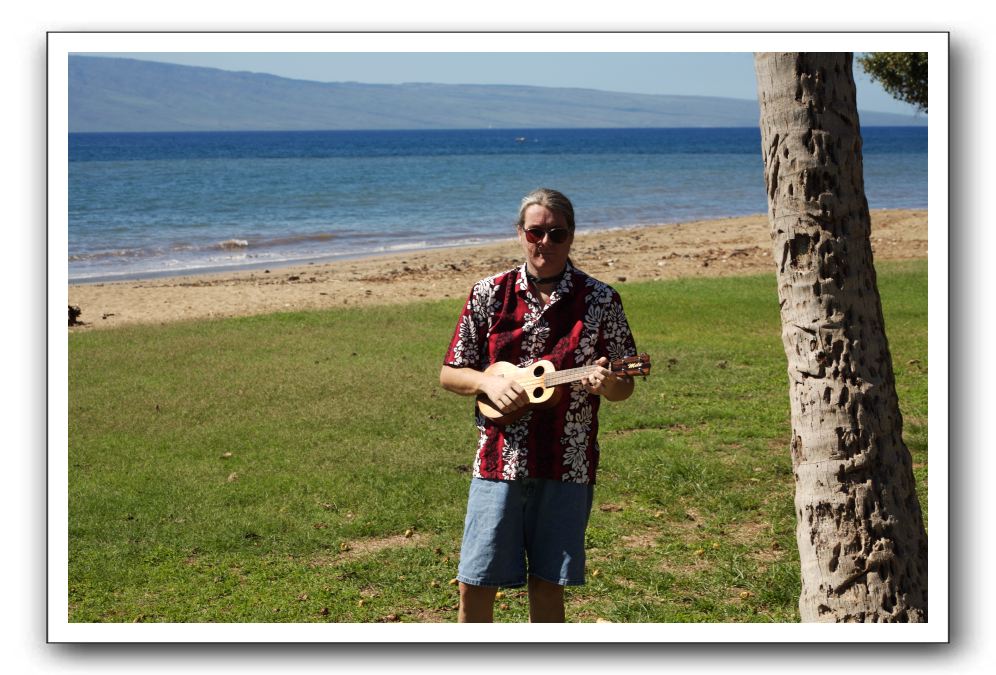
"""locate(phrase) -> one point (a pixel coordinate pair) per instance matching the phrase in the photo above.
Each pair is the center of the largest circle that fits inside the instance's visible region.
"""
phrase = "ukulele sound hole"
(537, 392)
(537, 371)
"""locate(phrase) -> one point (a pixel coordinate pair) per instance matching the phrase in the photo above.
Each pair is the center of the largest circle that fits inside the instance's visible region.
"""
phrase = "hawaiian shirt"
(504, 320)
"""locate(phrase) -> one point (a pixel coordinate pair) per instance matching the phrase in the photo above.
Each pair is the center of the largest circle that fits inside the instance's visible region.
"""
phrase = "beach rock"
(74, 315)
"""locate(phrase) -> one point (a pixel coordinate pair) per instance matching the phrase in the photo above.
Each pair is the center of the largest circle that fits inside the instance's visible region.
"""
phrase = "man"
(533, 478)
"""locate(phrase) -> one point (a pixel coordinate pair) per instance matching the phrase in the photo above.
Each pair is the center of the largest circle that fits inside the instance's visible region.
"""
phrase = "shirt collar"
(565, 286)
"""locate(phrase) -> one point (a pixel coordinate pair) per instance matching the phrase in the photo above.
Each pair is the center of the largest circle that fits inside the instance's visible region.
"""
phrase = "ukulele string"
(563, 376)
(556, 378)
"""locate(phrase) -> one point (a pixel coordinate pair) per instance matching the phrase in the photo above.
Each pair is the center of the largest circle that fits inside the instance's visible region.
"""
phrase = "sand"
(724, 247)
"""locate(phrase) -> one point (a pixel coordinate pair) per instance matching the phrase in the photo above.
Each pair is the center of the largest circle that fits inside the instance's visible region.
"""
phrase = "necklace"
(545, 280)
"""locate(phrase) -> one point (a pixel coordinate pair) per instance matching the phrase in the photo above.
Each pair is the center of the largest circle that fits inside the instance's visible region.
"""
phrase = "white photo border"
(61, 44)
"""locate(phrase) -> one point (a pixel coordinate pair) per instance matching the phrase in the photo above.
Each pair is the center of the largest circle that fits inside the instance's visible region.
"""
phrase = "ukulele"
(542, 383)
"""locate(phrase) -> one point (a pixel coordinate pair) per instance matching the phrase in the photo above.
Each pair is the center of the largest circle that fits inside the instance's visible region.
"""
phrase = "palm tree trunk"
(862, 543)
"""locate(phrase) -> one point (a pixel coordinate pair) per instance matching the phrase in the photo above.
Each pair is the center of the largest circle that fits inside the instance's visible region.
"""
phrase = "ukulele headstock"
(632, 365)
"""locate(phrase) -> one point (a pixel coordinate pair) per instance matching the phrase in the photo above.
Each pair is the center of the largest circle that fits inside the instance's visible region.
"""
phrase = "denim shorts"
(524, 527)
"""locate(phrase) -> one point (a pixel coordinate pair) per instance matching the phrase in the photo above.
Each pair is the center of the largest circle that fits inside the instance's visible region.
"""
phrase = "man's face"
(545, 258)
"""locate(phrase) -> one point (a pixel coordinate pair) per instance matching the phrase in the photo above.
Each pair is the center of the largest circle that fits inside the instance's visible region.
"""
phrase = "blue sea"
(146, 204)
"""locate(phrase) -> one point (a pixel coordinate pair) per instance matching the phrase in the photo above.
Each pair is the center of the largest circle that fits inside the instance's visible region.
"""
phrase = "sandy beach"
(723, 247)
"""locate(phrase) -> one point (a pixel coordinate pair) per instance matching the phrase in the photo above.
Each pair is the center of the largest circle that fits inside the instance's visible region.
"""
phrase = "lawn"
(307, 467)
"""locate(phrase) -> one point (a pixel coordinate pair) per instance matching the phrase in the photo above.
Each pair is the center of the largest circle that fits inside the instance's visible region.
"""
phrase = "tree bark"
(862, 543)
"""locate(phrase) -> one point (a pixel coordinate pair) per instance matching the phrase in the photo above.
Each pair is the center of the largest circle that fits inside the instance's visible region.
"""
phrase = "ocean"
(148, 204)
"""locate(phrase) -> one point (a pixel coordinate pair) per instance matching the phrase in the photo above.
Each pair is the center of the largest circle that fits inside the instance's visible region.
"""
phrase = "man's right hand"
(506, 394)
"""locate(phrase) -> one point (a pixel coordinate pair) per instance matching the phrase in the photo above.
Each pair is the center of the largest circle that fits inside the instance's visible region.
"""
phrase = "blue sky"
(729, 74)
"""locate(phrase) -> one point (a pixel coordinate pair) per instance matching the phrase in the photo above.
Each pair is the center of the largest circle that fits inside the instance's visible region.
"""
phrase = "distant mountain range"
(112, 94)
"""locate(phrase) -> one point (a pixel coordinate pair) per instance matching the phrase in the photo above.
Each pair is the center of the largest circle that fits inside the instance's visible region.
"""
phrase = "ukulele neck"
(570, 375)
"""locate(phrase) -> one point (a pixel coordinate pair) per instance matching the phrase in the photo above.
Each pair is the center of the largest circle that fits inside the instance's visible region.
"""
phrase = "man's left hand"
(603, 382)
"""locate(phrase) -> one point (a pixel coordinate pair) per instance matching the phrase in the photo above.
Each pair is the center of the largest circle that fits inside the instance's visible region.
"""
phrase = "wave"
(231, 244)
(105, 255)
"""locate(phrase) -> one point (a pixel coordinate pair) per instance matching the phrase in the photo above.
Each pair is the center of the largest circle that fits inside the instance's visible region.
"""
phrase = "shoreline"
(717, 247)
(280, 265)
(329, 259)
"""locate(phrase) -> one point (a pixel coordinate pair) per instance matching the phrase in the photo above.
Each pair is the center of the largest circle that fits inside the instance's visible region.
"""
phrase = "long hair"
(551, 199)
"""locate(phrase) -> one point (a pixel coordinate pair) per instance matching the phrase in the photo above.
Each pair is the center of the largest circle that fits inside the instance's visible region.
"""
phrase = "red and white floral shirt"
(504, 320)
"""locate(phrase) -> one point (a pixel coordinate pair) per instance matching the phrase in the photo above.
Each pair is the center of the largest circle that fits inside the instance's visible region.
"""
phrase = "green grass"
(341, 440)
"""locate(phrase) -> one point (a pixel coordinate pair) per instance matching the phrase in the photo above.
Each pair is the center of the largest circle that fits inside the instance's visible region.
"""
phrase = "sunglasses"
(557, 235)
